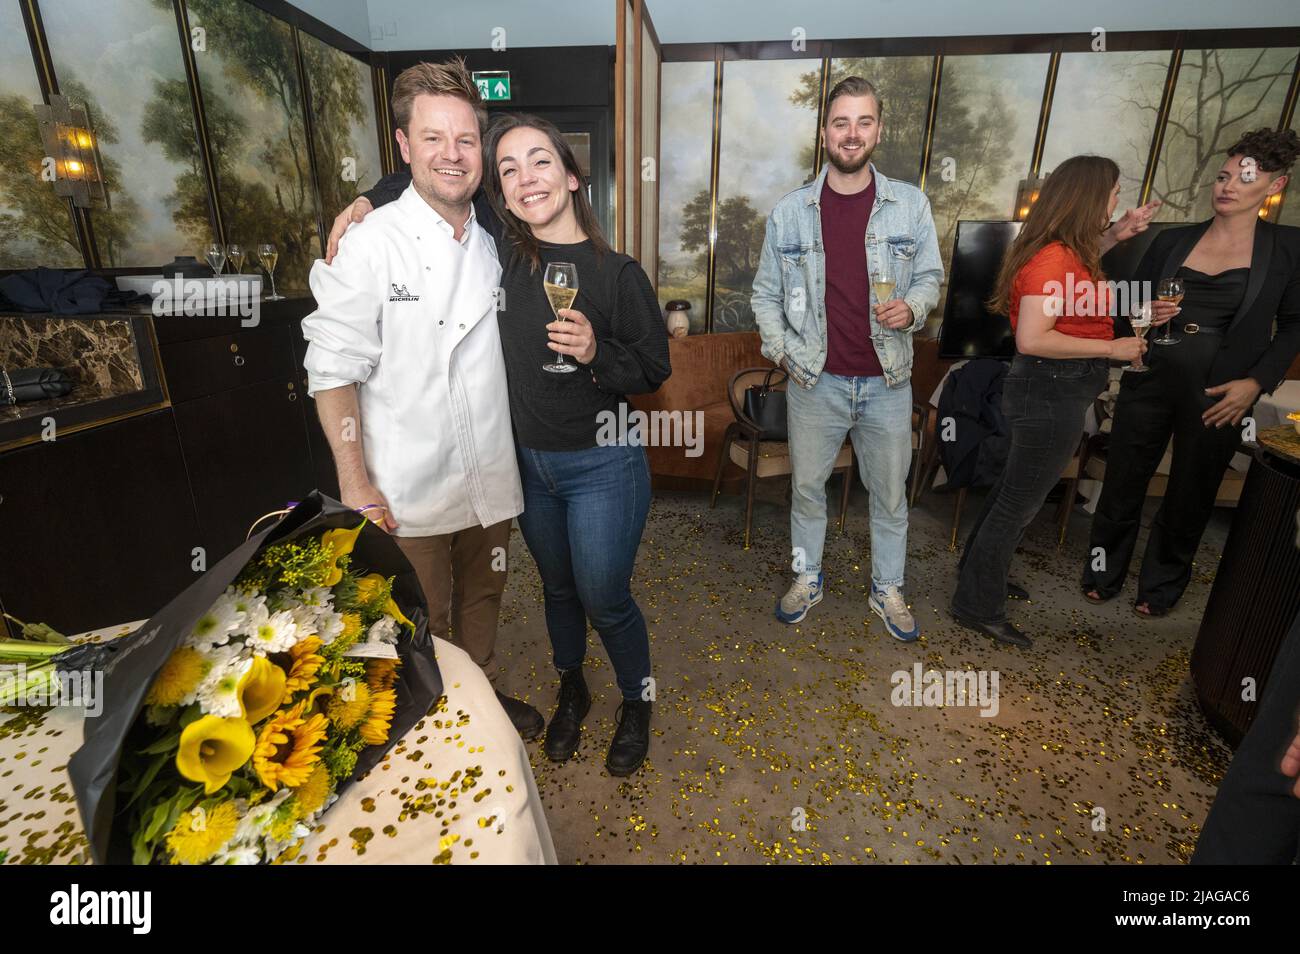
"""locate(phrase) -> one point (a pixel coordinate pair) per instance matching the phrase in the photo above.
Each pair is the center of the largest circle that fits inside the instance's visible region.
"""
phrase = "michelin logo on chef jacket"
(401, 294)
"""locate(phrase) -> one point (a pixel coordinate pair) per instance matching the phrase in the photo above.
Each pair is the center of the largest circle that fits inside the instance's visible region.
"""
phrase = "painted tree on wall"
(339, 108)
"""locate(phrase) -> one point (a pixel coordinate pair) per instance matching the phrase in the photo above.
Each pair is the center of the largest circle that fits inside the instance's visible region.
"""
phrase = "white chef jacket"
(408, 314)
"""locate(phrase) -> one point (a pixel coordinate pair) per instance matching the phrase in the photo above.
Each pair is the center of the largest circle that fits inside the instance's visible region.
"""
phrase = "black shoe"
(565, 729)
(1015, 592)
(1003, 632)
(631, 739)
(528, 722)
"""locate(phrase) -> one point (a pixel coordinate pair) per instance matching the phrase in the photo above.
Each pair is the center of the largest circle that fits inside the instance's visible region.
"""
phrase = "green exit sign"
(493, 86)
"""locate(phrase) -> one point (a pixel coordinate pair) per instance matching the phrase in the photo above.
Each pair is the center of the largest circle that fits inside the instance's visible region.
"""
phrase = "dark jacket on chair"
(1250, 348)
(972, 397)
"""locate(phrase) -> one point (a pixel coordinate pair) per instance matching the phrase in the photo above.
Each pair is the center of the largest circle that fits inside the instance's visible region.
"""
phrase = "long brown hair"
(520, 235)
(1072, 209)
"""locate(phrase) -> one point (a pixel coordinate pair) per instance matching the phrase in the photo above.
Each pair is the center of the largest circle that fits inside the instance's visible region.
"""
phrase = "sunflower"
(381, 673)
(288, 747)
(201, 833)
(212, 748)
(374, 731)
(306, 663)
(178, 678)
(349, 705)
(314, 792)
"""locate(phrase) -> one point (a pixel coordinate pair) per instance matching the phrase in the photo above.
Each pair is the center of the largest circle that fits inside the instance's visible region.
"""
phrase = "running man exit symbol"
(494, 85)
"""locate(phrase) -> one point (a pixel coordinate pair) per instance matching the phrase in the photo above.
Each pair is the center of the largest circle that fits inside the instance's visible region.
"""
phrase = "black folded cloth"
(18, 386)
(63, 291)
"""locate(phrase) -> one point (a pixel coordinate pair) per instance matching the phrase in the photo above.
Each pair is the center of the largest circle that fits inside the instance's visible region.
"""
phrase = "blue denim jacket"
(789, 299)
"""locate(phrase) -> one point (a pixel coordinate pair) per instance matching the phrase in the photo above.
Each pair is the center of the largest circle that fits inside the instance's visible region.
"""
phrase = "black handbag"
(34, 384)
(765, 406)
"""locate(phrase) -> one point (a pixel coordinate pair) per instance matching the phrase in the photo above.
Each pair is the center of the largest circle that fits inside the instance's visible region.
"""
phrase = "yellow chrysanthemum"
(350, 704)
(201, 833)
(306, 663)
(381, 673)
(212, 748)
(342, 542)
(179, 676)
(374, 731)
(314, 792)
(288, 747)
(261, 690)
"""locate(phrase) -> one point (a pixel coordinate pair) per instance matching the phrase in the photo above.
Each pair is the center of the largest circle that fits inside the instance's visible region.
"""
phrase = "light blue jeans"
(878, 419)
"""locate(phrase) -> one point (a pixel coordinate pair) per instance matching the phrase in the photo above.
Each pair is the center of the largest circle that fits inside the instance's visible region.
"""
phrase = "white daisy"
(276, 634)
(238, 856)
(223, 618)
(218, 693)
(329, 626)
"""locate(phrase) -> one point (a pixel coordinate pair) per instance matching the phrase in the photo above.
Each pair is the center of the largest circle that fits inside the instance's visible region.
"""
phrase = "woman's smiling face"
(534, 183)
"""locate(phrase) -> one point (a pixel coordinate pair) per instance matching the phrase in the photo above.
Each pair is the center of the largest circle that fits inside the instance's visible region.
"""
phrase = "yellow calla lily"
(342, 542)
(261, 690)
(368, 586)
(212, 748)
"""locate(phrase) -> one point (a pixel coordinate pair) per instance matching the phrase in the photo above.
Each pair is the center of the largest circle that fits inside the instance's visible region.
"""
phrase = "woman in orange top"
(1051, 287)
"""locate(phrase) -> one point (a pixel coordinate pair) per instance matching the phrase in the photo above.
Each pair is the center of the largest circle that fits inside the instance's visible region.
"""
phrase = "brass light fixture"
(1027, 194)
(71, 144)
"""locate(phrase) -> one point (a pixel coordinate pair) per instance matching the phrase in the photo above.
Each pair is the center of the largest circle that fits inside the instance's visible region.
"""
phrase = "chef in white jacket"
(405, 365)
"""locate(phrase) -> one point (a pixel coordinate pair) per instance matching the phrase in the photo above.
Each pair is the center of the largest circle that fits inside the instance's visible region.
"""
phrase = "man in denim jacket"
(847, 349)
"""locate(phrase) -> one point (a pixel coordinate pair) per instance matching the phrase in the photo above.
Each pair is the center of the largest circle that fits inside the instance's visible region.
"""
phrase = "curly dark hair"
(1273, 149)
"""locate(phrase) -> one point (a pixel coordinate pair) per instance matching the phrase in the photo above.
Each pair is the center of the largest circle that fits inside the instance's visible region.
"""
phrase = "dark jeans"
(1255, 818)
(1151, 407)
(1044, 401)
(584, 512)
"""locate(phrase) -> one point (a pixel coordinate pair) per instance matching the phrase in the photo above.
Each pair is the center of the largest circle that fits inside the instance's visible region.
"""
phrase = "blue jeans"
(584, 512)
(878, 419)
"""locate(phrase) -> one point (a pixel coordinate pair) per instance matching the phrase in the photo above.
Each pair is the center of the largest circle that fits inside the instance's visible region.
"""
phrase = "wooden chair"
(743, 445)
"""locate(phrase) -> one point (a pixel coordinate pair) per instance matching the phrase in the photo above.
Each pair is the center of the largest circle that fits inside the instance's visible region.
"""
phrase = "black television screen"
(969, 329)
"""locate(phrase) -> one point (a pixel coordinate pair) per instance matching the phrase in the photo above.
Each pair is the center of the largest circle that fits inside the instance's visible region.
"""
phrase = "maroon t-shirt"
(849, 351)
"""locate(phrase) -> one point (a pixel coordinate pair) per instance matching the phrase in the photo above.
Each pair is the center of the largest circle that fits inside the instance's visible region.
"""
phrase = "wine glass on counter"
(1169, 289)
(235, 255)
(268, 255)
(561, 285)
(216, 256)
(1141, 322)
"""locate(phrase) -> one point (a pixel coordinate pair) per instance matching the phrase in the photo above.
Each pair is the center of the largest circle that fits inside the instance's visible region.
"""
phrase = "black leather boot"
(631, 739)
(528, 722)
(565, 728)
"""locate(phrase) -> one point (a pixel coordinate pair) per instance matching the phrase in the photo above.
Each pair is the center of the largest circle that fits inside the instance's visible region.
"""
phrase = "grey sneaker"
(888, 603)
(804, 593)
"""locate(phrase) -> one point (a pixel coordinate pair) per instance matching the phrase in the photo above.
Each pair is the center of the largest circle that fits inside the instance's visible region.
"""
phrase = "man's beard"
(448, 194)
(849, 168)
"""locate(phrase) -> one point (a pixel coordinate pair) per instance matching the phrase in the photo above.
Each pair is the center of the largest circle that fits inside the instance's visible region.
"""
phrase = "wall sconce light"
(1026, 195)
(71, 144)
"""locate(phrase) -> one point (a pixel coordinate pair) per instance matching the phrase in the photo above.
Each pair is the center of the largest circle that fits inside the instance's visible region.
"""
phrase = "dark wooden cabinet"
(98, 526)
(322, 458)
(247, 454)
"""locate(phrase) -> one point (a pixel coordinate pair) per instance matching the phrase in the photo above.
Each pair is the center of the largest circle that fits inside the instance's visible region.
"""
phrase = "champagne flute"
(1169, 289)
(216, 256)
(883, 282)
(561, 285)
(268, 256)
(235, 255)
(1141, 322)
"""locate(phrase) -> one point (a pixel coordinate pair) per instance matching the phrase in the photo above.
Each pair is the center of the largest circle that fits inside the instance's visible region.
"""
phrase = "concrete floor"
(775, 742)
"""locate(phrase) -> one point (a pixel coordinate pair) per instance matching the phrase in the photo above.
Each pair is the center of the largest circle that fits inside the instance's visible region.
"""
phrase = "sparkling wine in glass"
(216, 256)
(1141, 322)
(561, 285)
(882, 283)
(1169, 289)
(235, 255)
(268, 256)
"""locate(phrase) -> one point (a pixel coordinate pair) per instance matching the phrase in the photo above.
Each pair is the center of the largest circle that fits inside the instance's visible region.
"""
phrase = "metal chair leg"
(727, 438)
(752, 478)
(847, 477)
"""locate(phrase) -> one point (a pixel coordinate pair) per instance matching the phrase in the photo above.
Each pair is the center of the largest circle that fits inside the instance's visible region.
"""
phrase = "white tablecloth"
(457, 789)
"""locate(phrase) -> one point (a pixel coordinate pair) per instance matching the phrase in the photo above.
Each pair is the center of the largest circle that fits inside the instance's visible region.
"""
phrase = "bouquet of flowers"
(292, 681)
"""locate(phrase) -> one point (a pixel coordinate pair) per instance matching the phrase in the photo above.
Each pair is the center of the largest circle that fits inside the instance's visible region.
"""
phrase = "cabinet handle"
(293, 395)
(239, 360)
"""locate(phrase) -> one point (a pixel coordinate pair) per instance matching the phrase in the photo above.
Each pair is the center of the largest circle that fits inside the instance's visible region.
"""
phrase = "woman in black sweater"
(1242, 279)
(586, 486)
